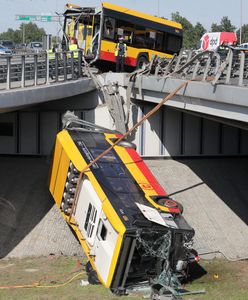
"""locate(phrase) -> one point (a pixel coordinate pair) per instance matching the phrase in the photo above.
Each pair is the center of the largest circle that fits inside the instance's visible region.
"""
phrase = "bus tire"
(167, 202)
(141, 61)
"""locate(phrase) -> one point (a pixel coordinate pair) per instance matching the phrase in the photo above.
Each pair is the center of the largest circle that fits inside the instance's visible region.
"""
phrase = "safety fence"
(26, 70)
(226, 66)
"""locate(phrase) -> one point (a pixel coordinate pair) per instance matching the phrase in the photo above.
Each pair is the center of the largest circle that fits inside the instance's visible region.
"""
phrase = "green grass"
(224, 280)
(231, 281)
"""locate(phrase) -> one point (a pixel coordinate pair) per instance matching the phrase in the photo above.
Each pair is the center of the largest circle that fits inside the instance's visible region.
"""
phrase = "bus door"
(87, 212)
(104, 246)
(84, 37)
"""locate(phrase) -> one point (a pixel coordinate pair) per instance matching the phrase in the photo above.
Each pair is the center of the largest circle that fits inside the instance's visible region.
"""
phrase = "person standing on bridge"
(120, 54)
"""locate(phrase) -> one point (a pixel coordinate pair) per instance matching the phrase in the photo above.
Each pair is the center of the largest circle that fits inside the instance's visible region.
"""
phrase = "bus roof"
(140, 15)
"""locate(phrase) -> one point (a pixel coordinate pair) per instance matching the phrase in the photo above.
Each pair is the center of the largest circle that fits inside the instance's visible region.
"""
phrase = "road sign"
(37, 18)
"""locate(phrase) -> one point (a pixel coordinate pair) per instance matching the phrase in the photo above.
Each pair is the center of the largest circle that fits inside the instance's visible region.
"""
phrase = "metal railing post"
(80, 54)
(65, 65)
(241, 67)
(47, 69)
(23, 72)
(8, 79)
(56, 67)
(205, 74)
(229, 68)
(35, 69)
(72, 65)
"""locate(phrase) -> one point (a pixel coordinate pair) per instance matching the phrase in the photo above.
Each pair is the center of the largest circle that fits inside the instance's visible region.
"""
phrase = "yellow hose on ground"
(37, 285)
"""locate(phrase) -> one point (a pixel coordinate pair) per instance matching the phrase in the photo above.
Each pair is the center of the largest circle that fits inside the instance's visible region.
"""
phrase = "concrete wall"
(170, 132)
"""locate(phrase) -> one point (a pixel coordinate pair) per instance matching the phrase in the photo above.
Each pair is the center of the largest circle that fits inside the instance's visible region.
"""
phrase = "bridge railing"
(26, 70)
(228, 66)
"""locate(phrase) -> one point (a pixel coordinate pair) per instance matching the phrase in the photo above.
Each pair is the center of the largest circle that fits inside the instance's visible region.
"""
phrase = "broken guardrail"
(226, 66)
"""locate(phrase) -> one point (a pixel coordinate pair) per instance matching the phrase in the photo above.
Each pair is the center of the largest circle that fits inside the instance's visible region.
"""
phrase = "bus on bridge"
(97, 33)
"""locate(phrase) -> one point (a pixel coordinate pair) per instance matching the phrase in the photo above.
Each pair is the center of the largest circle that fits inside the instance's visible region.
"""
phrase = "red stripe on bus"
(147, 173)
(109, 56)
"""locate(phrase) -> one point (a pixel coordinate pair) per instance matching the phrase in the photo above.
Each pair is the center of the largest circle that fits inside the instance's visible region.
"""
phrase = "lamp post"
(23, 33)
(158, 8)
(241, 21)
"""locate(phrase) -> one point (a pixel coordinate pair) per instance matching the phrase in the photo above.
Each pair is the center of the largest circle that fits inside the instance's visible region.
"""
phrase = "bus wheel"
(141, 62)
(167, 202)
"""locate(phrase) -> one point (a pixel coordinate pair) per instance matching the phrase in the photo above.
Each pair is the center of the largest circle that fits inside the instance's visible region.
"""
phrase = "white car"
(244, 45)
(35, 47)
(5, 51)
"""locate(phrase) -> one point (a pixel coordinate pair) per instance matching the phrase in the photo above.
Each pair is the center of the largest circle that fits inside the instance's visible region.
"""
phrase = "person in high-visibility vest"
(73, 47)
(120, 54)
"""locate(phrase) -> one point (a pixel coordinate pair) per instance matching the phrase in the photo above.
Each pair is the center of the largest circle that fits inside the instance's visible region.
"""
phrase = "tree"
(32, 32)
(225, 25)
(29, 32)
(244, 34)
(191, 33)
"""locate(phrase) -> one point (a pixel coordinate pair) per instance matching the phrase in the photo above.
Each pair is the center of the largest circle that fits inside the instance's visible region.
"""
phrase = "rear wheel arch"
(142, 59)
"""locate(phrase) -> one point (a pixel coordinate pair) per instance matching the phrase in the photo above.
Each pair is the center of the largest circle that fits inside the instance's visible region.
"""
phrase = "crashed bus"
(130, 230)
(96, 32)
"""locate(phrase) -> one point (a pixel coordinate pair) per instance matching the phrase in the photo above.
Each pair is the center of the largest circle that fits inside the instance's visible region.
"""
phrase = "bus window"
(125, 29)
(159, 41)
(109, 28)
(151, 39)
(139, 37)
(174, 44)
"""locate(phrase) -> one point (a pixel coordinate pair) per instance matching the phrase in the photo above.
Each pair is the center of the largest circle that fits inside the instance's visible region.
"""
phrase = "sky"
(204, 11)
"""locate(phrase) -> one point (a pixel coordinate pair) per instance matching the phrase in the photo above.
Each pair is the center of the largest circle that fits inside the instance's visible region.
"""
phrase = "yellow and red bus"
(97, 33)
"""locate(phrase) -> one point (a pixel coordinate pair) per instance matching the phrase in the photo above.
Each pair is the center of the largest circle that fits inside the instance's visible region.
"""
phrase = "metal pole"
(35, 69)
(72, 65)
(23, 33)
(79, 63)
(56, 67)
(158, 8)
(47, 68)
(65, 65)
(241, 21)
(23, 72)
(8, 79)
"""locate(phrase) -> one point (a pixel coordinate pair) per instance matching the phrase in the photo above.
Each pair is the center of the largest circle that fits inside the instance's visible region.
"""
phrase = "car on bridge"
(35, 47)
(8, 44)
(5, 51)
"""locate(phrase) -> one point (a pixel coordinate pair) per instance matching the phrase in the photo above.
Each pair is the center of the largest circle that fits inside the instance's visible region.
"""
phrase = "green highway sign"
(35, 18)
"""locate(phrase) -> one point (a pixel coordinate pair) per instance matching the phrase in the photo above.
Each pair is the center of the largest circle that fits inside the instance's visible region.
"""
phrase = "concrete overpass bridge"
(202, 119)
(27, 80)
(207, 118)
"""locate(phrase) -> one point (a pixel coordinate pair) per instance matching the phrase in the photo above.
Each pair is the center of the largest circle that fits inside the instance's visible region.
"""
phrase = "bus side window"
(109, 28)
(124, 29)
(159, 41)
(173, 44)
(102, 231)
